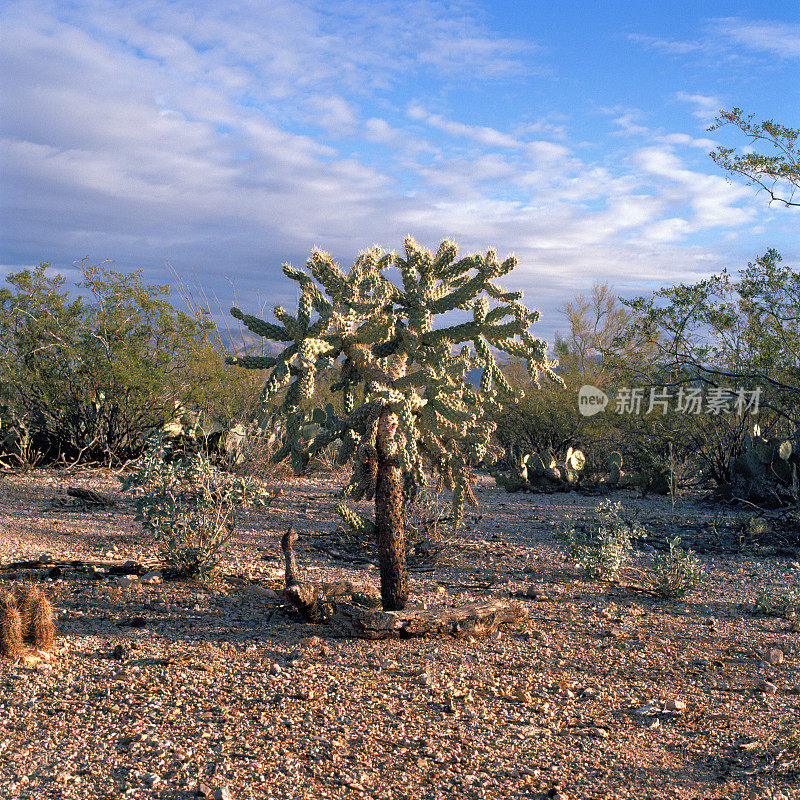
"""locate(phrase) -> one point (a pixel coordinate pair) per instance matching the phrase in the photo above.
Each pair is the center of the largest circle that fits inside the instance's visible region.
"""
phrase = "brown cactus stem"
(11, 644)
(389, 516)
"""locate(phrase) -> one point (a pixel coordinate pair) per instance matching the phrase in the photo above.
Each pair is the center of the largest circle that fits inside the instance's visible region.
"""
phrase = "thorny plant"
(426, 518)
(786, 604)
(677, 572)
(600, 546)
(190, 505)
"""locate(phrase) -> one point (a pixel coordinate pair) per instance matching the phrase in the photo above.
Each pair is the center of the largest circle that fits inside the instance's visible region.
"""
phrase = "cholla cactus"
(405, 393)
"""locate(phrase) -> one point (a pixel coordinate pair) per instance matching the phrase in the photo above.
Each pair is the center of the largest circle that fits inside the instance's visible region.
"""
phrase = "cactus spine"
(11, 644)
(413, 374)
(36, 613)
(26, 618)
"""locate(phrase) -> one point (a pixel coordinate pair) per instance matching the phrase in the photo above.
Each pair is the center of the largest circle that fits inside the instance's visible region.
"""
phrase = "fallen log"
(473, 619)
(317, 602)
(90, 497)
(113, 567)
(308, 597)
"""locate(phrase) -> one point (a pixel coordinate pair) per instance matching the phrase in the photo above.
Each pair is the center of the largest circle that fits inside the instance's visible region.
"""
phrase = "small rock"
(311, 641)
(223, 793)
(151, 779)
(275, 669)
(612, 632)
(539, 636)
(522, 694)
(774, 656)
(125, 581)
(120, 652)
(598, 733)
(203, 790)
(795, 626)
(152, 578)
(675, 706)
(768, 687)
(646, 711)
(295, 655)
(536, 593)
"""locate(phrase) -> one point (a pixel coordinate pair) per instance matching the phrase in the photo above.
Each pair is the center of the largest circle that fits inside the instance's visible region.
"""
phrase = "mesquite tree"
(405, 391)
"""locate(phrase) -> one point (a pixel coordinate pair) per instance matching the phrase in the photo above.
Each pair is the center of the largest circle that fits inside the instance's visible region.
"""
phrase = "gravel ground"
(179, 689)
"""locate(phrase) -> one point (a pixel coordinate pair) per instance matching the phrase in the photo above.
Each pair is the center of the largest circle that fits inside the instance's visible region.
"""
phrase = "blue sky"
(228, 138)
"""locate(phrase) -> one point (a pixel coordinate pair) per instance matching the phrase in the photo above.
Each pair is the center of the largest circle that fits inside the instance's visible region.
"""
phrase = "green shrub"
(190, 505)
(600, 546)
(677, 572)
(90, 378)
(786, 604)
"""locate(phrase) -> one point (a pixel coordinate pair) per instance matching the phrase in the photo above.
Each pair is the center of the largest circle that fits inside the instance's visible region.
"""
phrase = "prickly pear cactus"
(540, 472)
(767, 469)
(394, 358)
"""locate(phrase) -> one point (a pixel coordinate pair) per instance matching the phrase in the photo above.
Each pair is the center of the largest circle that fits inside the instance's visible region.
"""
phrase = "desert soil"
(181, 689)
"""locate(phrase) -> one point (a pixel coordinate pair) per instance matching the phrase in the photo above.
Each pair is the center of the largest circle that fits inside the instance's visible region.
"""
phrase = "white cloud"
(670, 46)
(711, 198)
(334, 114)
(778, 38)
(685, 140)
(148, 132)
(706, 107)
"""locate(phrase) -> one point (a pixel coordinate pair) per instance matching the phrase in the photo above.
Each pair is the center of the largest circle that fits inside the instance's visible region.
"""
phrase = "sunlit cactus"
(406, 396)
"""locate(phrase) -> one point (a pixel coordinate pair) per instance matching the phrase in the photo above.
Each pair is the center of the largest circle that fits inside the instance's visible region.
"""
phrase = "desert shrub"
(677, 572)
(785, 603)
(720, 334)
(428, 530)
(600, 546)
(190, 505)
(91, 377)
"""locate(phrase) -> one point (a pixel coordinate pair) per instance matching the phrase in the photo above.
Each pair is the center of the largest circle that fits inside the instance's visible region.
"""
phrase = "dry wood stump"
(322, 603)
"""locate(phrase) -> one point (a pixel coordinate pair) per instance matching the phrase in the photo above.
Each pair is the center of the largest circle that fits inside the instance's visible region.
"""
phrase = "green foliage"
(93, 377)
(541, 472)
(600, 547)
(392, 355)
(189, 504)
(784, 604)
(723, 335)
(677, 572)
(776, 171)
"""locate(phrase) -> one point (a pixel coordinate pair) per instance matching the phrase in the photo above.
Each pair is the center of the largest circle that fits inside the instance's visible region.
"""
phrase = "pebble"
(675, 706)
(774, 656)
(768, 687)
(536, 593)
(152, 578)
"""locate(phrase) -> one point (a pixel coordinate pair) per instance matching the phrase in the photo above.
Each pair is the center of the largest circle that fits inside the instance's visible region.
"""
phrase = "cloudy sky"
(227, 138)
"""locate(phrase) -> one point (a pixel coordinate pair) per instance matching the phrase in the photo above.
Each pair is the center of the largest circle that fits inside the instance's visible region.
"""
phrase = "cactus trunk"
(389, 516)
